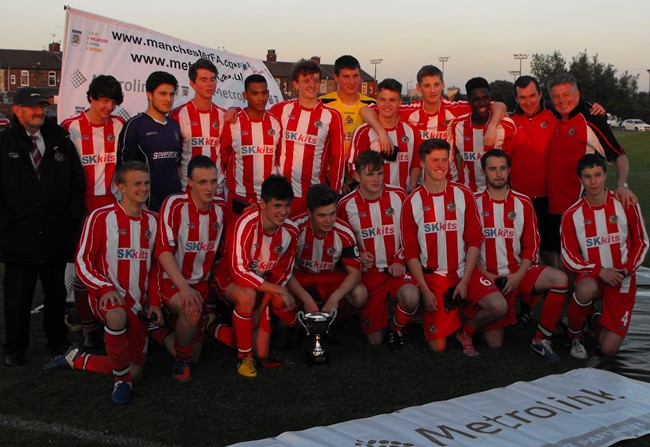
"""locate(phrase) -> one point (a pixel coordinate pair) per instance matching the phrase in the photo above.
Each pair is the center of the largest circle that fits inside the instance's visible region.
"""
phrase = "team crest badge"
(278, 249)
(390, 211)
(433, 329)
(451, 206)
(572, 131)
(271, 132)
(318, 124)
(110, 138)
(75, 38)
(331, 251)
(185, 91)
(543, 124)
(349, 120)
(58, 156)
(147, 234)
(405, 139)
(215, 124)
(613, 218)
(215, 226)
(446, 122)
(367, 323)
(512, 215)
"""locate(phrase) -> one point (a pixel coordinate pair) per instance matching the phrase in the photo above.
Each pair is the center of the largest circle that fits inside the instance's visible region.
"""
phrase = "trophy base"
(313, 360)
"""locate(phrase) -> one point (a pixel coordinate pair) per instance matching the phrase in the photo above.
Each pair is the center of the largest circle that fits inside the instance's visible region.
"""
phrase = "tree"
(544, 66)
(503, 91)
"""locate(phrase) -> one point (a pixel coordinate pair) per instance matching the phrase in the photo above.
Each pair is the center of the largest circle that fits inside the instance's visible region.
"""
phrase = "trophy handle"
(333, 314)
(301, 316)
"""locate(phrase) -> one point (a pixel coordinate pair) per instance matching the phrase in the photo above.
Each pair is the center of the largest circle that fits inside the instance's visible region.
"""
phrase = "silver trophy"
(318, 324)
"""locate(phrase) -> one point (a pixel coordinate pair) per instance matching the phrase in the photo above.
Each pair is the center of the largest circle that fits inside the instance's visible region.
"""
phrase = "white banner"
(97, 45)
(584, 407)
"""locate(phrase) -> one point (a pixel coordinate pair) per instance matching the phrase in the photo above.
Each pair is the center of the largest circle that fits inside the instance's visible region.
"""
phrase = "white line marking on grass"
(67, 430)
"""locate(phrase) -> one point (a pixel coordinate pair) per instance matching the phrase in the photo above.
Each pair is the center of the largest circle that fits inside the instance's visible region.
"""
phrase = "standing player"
(441, 241)
(509, 252)
(115, 261)
(260, 253)
(312, 149)
(249, 146)
(191, 224)
(603, 242)
(468, 135)
(401, 167)
(155, 140)
(201, 120)
(324, 242)
(94, 133)
(433, 114)
(373, 211)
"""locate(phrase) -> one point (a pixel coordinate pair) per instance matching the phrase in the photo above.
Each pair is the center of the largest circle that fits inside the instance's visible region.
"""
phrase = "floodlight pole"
(648, 81)
(519, 57)
(514, 74)
(443, 59)
(376, 62)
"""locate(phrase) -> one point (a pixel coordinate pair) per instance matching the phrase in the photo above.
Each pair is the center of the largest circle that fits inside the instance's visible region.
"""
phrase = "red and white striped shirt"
(376, 223)
(201, 132)
(467, 144)
(434, 125)
(438, 228)
(252, 256)
(97, 147)
(249, 153)
(190, 234)
(407, 139)
(606, 236)
(115, 253)
(509, 231)
(321, 254)
(312, 146)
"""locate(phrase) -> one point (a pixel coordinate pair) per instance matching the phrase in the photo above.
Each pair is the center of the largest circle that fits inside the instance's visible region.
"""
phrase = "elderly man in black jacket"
(42, 190)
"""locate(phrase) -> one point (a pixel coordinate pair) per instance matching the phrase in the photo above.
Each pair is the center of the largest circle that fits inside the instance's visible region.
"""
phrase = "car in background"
(4, 122)
(636, 125)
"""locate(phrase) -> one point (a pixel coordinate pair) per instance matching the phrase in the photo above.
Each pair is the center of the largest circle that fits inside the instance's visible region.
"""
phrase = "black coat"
(39, 218)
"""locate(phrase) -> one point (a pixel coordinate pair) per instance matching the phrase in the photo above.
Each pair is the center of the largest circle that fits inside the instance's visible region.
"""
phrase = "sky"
(479, 38)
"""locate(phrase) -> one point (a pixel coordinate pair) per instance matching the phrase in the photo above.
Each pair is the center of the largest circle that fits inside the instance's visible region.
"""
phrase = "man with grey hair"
(578, 133)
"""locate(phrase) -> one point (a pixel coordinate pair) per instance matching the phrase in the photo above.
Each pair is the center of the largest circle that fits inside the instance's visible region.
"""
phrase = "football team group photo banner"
(97, 45)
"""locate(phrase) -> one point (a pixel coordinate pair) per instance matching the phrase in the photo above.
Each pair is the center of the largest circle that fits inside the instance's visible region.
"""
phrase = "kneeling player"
(259, 257)
(115, 261)
(509, 250)
(326, 241)
(191, 224)
(441, 240)
(603, 243)
(373, 211)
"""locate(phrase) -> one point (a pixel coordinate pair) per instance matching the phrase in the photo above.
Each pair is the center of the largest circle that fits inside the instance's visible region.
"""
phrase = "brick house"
(281, 71)
(41, 69)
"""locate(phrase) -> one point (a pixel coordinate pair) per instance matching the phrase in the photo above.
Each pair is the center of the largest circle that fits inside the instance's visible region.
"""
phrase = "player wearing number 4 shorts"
(509, 252)
(603, 243)
(441, 241)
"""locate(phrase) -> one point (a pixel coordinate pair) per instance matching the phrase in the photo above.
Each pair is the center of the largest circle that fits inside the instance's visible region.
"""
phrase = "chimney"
(54, 47)
(316, 59)
(271, 56)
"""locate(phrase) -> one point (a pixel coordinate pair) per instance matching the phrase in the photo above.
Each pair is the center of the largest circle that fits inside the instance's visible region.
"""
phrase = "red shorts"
(136, 328)
(440, 324)
(323, 283)
(524, 293)
(618, 302)
(94, 202)
(374, 315)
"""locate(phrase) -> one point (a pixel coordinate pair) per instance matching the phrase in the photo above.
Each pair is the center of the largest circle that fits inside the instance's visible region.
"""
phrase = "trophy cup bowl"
(317, 324)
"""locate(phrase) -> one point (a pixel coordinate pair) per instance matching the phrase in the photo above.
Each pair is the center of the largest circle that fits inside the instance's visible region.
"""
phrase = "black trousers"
(19, 285)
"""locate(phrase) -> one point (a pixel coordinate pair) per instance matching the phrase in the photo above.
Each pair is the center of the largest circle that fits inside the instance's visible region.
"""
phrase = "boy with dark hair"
(401, 166)
(201, 121)
(604, 243)
(94, 133)
(155, 140)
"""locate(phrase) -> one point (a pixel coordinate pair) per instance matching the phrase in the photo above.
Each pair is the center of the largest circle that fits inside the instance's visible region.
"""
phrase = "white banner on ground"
(97, 45)
(584, 407)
